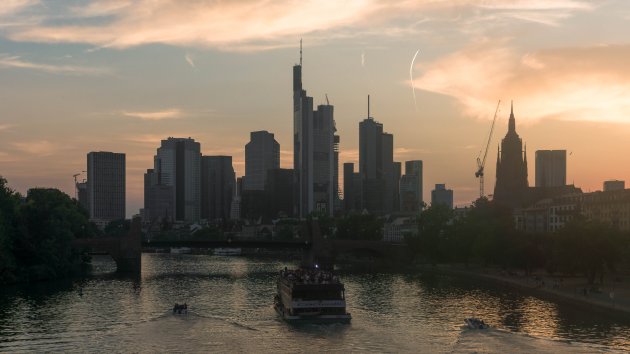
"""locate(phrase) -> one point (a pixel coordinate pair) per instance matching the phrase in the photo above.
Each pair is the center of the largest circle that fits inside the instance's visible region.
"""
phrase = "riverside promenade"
(612, 296)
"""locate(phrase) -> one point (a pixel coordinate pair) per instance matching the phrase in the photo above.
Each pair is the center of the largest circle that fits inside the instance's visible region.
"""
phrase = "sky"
(79, 76)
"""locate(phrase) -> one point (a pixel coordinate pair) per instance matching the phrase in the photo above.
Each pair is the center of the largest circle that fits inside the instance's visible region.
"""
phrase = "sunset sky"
(81, 76)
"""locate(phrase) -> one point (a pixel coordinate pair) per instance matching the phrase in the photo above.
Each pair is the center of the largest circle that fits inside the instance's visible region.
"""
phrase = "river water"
(230, 301)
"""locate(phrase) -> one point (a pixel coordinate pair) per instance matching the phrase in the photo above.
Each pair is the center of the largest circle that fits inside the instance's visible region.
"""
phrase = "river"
(230, 301)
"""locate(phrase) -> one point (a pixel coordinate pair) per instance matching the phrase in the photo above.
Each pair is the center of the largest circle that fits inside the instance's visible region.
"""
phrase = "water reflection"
(230, 301)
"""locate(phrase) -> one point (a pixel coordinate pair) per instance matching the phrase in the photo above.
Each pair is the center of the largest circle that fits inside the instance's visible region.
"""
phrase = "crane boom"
(481, 163)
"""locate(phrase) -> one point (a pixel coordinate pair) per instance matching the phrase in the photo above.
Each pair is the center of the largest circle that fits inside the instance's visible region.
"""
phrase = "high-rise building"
(279, 197)
(511, 186)
(351, 188)
(262, 153)
(551, 168)
(235, 209)
(376, 166)
(411, 184)
(217, 187)
(177, 164)
(313, 151)
(396, 184)
(82, 195)
(614, 185)
(159, 204)
(441, 195)
(106, 186)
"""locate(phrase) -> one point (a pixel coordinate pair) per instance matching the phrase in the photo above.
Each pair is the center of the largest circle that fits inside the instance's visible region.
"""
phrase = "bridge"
(126, 251)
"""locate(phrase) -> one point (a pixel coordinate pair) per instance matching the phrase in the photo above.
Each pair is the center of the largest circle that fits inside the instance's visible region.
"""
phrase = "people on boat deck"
(180, 308)
(309, 276)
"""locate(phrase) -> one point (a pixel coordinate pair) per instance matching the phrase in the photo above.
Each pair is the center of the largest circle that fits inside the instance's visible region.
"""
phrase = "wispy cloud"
(190, 60)
(10, 7)
(587, 83)
(172, 113)
(37, 147)
(5, 127)
(16, 62)
(261, 24)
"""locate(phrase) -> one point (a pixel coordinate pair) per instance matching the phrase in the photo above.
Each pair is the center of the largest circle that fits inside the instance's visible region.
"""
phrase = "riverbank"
(612, 297)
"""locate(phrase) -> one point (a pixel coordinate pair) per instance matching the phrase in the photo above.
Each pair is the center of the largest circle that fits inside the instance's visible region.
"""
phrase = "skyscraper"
(279, 197)
(441, 195)
(217, 187)
(376, 166)
(159, 204)
(262, 153)
(551, 168)
(411, 184)
(511, 185)
(351, 188)
(106, 186)
(314, 143)
(177, 164)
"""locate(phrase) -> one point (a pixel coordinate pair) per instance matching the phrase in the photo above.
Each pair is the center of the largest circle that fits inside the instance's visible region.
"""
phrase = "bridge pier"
(128, 257)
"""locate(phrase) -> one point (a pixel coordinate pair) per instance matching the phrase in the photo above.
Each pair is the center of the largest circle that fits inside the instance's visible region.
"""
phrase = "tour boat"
(475, 323)
(310, 295)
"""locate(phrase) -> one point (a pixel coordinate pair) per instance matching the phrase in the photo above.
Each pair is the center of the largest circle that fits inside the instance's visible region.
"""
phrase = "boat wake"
(492, 340)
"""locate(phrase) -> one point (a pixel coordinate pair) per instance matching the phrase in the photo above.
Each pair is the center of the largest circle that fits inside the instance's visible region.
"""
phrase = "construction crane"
(481, 163)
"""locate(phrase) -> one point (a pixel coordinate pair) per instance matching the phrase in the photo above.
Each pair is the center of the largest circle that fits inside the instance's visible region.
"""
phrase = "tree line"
(36, 234)
(486, 235)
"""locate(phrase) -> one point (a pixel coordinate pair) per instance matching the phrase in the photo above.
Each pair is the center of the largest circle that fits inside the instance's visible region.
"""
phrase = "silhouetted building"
(262, 153)
(82, 195)
(411, 197)
(551, 168)
(336, 189)
(396, 183)
(313, 151)
(278, 193)
(159, 204)
(376, 166)
(441, 195)
(253, 204)
(106, 186)
(351, 188)
(235, 209)
(614, 185)
(217, 187)
(511, 184)
(178, 165)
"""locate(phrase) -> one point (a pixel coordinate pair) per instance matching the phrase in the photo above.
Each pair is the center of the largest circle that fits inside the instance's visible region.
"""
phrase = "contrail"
(363, 59)
(413, 87)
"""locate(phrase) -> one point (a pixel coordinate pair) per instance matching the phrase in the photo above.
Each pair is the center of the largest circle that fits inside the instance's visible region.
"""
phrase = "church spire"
(512, 124)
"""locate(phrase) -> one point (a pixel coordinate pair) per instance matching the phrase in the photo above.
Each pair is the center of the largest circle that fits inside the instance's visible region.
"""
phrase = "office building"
(106, 186)
(411, 184)
(217, 187)
(314, 153)
(551, 168)
(262, 153)
(177, 165)
(376, 166)
(441, 195)
(351, 188)
(159, 204)
(279, 196)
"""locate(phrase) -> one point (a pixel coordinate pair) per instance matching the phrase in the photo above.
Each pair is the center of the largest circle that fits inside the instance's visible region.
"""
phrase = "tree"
(588, 246)
(360, 227)
(433, 224)
(9, 201)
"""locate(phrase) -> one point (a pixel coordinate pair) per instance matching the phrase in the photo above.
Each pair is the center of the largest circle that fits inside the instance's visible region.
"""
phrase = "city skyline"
(70, 92)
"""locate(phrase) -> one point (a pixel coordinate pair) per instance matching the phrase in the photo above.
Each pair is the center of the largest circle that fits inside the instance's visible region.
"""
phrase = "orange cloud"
(262, 24)
(587, 83)
(172, 113)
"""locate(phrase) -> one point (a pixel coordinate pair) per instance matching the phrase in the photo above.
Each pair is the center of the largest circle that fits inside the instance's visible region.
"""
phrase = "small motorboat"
(475, 323)
(180, 309)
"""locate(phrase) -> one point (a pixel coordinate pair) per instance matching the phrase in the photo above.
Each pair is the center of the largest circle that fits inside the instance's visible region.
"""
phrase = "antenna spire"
(368, 106)
(300, 51)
